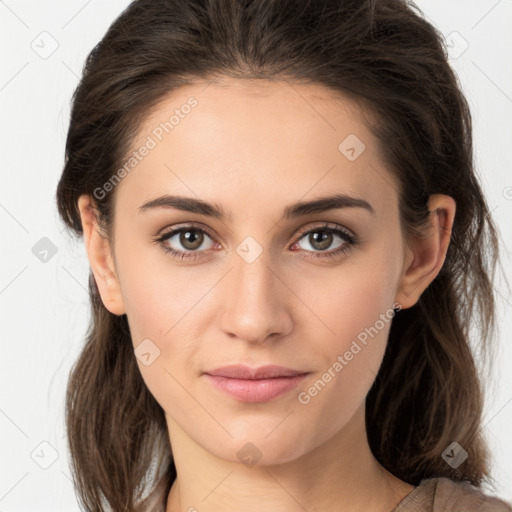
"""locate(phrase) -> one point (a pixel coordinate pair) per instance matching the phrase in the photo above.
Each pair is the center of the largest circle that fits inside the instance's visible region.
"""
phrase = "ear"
(426, 255)
(100, 257)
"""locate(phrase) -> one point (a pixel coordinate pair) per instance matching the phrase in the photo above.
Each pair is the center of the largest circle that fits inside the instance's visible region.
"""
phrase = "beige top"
(445, 495)
(431, 495)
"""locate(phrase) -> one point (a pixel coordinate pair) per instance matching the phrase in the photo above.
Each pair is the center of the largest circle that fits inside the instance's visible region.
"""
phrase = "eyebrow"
(322, 204)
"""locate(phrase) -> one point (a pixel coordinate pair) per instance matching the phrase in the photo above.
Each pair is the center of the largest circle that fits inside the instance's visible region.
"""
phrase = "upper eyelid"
(173, 230)
(326, 226)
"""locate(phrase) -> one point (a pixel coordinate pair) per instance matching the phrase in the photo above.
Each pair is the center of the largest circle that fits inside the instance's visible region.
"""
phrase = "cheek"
(162, 309)
(350, 299)
(356, 303)
(158, 295)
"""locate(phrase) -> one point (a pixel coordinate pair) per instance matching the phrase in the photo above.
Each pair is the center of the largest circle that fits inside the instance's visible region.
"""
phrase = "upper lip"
(239, 371)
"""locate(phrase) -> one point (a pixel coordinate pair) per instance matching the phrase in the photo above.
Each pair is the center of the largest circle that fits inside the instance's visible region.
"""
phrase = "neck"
(339, 475)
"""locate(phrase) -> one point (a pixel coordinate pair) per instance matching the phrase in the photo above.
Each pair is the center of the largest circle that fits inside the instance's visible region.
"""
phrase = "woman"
(288, 245)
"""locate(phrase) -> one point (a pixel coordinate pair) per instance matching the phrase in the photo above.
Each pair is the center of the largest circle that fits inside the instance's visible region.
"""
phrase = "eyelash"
(351, 241)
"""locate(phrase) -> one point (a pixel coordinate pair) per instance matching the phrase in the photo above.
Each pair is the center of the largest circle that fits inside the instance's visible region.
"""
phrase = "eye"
(321, 238)
(190, 238)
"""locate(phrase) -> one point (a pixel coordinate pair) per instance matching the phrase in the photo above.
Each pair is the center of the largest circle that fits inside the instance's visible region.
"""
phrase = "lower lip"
(257, 390)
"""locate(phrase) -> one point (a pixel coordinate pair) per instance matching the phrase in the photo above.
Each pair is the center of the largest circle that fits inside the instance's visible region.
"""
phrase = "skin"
(255, 147)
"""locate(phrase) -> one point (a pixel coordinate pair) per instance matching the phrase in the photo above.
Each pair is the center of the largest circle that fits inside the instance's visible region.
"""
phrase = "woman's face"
(265, 283)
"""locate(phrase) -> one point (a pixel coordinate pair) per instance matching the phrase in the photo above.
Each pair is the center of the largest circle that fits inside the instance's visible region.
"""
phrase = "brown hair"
(382, 54)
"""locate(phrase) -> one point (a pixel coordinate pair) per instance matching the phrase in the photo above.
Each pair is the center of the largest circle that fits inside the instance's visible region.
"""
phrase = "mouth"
(255, 385)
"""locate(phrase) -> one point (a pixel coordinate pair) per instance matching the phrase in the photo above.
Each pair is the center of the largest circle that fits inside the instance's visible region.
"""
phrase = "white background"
(44, 306)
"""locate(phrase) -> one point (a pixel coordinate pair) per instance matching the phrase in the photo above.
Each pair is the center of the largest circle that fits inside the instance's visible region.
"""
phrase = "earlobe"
(100, 257)
(426, 255)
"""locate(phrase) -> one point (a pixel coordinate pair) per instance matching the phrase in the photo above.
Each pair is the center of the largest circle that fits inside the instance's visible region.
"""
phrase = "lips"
(255, 384)
(240, 371)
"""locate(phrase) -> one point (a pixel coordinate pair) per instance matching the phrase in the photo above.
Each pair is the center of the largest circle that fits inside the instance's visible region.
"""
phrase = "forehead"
(257, 144)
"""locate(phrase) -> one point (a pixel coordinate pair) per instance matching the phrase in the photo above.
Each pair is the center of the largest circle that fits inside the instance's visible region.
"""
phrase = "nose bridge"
(256, 303)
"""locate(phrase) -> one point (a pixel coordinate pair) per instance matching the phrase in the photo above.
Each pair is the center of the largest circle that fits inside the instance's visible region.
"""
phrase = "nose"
(257, 301)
